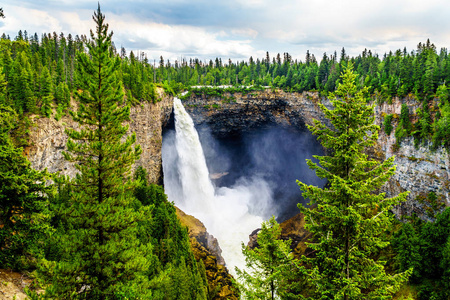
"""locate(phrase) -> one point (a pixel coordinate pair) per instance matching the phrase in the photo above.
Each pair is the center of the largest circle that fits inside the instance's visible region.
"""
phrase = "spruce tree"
(348, 216)
(269, 265)
(46, 92)
(3, 89)
(101, 256)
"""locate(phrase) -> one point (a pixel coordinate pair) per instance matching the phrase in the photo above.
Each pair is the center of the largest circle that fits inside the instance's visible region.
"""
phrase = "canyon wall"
(420, 170)
(48, 140)
(423, 172)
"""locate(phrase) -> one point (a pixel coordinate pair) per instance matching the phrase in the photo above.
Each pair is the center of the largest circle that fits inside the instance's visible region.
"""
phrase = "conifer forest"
(108, 232)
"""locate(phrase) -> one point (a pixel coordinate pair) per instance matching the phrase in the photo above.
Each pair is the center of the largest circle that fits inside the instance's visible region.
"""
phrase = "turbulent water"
(253, 175)
(225, 211)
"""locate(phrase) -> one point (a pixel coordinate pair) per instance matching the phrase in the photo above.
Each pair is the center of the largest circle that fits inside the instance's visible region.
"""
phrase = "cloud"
(16, 21)
(176, 40)
(242, 28)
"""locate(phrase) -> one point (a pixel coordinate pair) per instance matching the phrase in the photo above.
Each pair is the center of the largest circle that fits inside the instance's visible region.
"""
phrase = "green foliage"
(404, 125)
(442, 93)
(388, 124)
(23, 204)
(349, 217)
(269, 266)
(25, 64)
(424, 123)
(99, 246)
(178, 275)
(424, 246)
(407, 245)
(441, 134)
(445, 266)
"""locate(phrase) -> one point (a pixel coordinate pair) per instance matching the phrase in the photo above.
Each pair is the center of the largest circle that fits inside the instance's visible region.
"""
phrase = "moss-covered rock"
(206, 248)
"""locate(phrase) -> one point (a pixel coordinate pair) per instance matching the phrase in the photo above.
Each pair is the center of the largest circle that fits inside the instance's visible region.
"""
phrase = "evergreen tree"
(407, 246)
(101, 255)
(23, 203)
(3, 90)
(404, 125)
(269, 265)
(441, 126)
(445, 266)
(174, 258)
(348, 217)
(388, 124)
(46, 92)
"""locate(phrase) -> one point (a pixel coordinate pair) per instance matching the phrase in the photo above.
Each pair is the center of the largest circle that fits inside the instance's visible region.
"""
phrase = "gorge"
(254, 117)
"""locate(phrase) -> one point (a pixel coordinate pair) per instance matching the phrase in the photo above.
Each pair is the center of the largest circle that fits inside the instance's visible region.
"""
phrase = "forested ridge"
(109, 234)
(39, 75)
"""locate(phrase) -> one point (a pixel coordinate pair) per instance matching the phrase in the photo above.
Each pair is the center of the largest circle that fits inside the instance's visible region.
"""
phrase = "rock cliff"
(206, 248)
(48, 140)
(422, 172)
(233, 114)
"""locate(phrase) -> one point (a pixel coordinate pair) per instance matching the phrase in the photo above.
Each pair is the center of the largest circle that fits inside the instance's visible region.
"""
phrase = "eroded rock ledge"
(419, 170)
(238, 113)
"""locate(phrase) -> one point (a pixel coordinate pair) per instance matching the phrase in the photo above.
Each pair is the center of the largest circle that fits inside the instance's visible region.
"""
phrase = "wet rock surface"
(234, 114)
(419, 170)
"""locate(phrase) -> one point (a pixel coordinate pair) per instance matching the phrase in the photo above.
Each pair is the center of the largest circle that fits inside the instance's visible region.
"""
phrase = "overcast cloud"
(238, 29)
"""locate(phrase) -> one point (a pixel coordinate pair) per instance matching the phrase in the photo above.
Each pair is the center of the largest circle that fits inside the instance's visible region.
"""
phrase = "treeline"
(398, 73)
(107, 235)
(38, 75)
(34, 69)
(420, 75)
(357, 248)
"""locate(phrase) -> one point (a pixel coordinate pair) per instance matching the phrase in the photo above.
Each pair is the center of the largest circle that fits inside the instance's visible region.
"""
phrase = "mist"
(233, 184)
(273, 156)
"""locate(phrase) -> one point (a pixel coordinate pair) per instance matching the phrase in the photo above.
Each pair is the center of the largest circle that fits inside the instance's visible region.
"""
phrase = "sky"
(238, 29)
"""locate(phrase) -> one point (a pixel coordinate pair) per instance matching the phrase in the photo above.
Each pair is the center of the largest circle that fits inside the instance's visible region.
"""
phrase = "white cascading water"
(224, 211)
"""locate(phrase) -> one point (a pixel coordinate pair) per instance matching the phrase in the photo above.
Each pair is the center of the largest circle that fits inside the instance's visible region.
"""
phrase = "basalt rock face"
(147, 120)
(48, 139)
(419, 170)
(233, 114)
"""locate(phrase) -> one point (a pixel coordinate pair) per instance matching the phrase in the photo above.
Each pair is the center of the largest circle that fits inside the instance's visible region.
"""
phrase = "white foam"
(230, 214)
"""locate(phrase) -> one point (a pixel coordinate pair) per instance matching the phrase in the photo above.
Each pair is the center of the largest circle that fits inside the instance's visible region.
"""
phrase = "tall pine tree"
(349, 216)
(101, 255)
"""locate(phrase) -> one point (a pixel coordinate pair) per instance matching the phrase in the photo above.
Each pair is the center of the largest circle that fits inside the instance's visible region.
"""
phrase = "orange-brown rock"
(292, 229)
(206, 248)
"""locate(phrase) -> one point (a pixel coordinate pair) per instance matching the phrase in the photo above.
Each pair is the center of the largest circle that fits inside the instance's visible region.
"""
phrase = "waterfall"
(224, 211)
